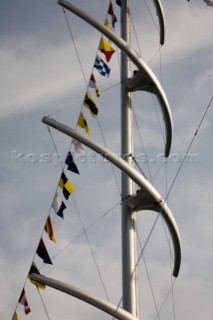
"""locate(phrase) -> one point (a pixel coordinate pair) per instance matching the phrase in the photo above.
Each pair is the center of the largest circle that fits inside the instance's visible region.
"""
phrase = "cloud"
(36, 74)
(41, 75)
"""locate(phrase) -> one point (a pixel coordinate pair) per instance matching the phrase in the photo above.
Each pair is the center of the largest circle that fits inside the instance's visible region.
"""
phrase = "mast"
(129, 274)
(147, 196)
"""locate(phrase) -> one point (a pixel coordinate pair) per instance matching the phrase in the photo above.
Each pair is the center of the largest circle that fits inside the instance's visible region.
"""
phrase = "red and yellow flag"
(49, 229)
(105, 48)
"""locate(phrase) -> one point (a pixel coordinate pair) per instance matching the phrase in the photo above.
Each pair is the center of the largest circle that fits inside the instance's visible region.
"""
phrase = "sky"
(41, 75)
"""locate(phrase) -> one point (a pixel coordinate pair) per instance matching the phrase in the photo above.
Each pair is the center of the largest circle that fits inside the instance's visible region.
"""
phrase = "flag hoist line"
(67, 188)
(144, 80)
(130, 301)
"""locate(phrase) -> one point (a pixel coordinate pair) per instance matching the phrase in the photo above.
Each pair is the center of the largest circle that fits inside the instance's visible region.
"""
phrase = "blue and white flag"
(58, 205)
(102, 67)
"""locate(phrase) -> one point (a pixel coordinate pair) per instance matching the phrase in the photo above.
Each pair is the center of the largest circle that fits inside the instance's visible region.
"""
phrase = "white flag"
(78, 147)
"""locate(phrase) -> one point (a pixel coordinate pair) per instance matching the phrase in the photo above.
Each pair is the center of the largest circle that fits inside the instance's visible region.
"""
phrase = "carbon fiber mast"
(147, 197)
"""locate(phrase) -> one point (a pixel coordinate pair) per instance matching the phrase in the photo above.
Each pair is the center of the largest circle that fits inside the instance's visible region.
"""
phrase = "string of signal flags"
(58, 205)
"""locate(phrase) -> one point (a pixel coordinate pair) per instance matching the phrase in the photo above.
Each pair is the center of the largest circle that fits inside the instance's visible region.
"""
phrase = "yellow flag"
(83, 123)
(108, 25)
(15, 317)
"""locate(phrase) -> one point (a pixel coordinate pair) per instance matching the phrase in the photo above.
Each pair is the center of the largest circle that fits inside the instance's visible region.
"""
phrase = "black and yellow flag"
(34, 269)
(90, 104)
(83, 123)
(66, 186)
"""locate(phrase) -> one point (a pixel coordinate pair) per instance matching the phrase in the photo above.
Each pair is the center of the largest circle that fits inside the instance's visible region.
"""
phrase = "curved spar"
(97, 302)
(160, 14)
(153, 198)
(144, 80)
(209, 3)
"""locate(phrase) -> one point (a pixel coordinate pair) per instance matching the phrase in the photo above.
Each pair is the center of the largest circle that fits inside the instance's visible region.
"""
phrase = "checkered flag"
(102, 67)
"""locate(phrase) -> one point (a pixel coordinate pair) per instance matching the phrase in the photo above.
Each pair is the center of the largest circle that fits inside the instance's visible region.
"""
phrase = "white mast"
(129, 274)
(147, 197)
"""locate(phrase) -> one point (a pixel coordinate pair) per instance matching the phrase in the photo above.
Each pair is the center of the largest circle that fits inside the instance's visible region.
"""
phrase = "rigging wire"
(153, 20)
(176, 175)
(80, 100)
(173, 301)
(137, 262)
(166, 296)
(148, 276)
(76, 50)
(111, 165)
(142, 250)
(142, 255)
(143, 148)
(161, 130)
(98, 270)
(82, 225)
(136, 36)
(31, 265)
(73, 196)
(149, 279)
(47, 314)
(158, 119)
(86, 228)
(170, 249)
(154, 55)
(139, 168)
(112, 86)
(156, 221)
(151, 178)
(169, 244)
(44, 306)
(158, 52)
(99, 125)
(92, 252)
(179, 167)
(187, 151)
(86, 235)
(66, 107)
(161, 74)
